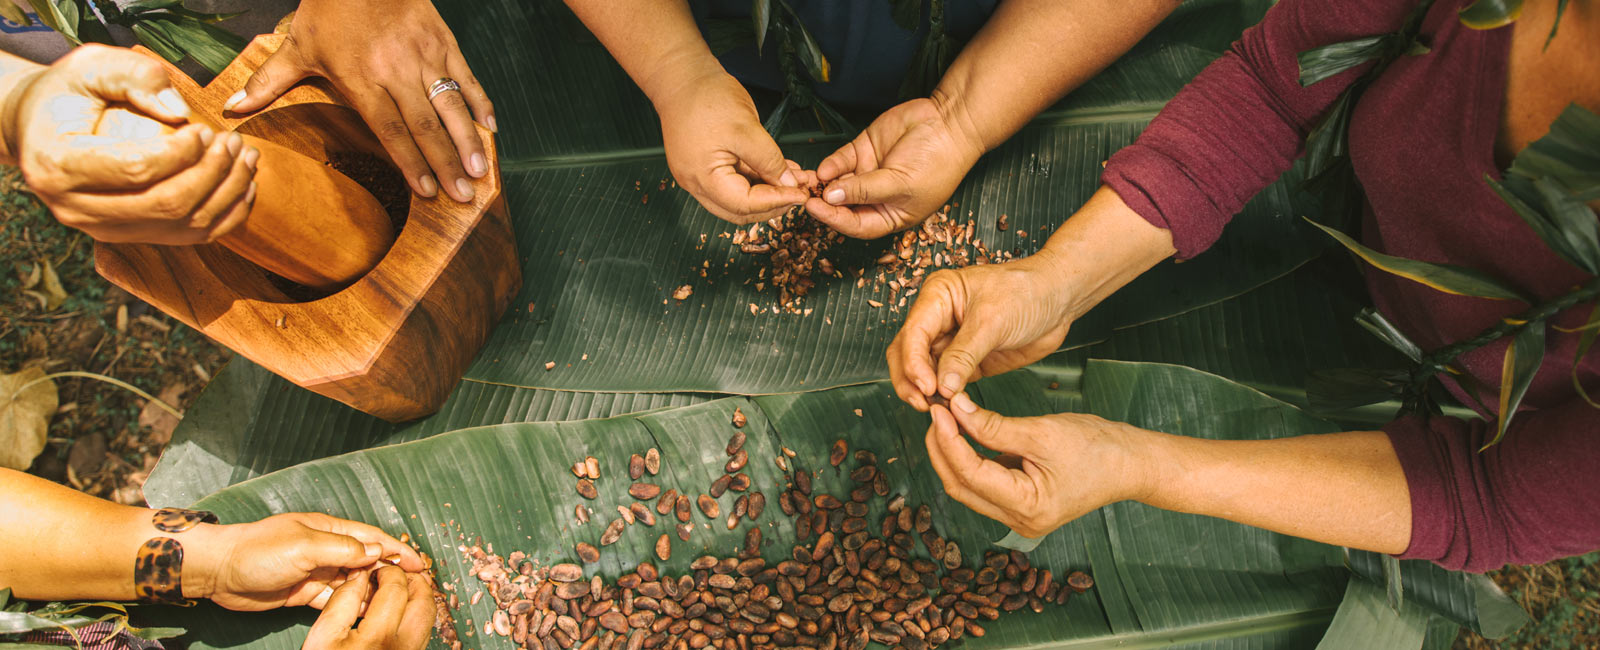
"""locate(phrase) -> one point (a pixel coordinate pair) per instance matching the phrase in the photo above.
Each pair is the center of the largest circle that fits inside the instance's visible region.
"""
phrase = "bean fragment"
(837, 453)
(586, 489)
(652, 461)
(664, 547)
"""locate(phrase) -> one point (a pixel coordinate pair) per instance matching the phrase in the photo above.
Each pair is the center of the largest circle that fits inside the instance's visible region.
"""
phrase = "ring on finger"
(442, 85)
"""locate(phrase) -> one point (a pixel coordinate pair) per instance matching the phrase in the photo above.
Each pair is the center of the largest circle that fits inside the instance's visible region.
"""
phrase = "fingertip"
(426, 186)
(834, 195)
(964, 403)
(172, 104)
(489, 123)
(234, 100)
(787, 180)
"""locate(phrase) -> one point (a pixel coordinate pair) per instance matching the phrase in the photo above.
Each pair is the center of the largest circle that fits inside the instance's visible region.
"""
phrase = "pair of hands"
(901, 169)
(347, 569)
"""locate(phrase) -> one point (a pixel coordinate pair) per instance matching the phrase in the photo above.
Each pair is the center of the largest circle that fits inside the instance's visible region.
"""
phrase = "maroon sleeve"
(1242, 121)
(1527, 500)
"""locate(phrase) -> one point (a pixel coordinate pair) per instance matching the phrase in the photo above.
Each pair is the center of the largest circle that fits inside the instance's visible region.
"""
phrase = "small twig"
(110, 380)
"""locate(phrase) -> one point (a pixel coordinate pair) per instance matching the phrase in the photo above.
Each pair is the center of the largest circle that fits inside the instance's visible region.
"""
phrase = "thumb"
(763, 156)
(880, 185)
(323, 549)
(990, 429)
(276, 75)
(959, 362)
(117, 75)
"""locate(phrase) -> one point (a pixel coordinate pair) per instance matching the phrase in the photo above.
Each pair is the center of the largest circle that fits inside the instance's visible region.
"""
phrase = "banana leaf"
(607, 237)
(250, 422)
(1161, 578)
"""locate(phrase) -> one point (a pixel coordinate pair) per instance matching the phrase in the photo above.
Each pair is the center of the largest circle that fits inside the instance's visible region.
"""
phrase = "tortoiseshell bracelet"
(158, 565)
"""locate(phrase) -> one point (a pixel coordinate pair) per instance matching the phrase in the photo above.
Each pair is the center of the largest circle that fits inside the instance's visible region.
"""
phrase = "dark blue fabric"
(868, 52)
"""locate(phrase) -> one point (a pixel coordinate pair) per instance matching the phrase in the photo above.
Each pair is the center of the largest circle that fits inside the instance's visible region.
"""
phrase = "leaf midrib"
(1235, 628)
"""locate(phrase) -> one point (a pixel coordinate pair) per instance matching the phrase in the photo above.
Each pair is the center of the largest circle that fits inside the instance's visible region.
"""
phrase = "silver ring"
(443, 84)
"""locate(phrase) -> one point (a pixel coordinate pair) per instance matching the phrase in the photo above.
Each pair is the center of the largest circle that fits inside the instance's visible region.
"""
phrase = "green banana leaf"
(1161, 578)
(250, 422)
(605, 246)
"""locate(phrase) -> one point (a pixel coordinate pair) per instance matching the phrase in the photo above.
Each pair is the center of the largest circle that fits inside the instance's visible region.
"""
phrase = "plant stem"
(1438, 360)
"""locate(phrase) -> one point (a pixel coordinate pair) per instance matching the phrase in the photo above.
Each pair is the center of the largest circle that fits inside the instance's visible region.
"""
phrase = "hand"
(903, 168)
(1051, 470)
(188, 186)
(719, 152)
(382, 56)
(978, 321)
(398, 613)
(289, 560)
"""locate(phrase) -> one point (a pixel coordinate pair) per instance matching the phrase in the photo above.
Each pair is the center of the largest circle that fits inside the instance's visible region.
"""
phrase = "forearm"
(656, 43)
(63, 544)
(1032, 52)
(1102, 247)
(1346, 489)
(15, 72)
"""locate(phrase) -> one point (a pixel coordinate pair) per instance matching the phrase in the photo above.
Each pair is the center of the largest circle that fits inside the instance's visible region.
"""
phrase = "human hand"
(901, 169)
(398, 613)
(719, 152)
(287, 560)
(978, 321)
(1051, 469)
(185, 186)
(383, 56)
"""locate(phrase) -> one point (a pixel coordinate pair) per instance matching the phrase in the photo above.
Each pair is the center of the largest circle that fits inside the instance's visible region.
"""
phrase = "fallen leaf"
(52, 287)
(87, 455)
(24, 416)
(160, 422)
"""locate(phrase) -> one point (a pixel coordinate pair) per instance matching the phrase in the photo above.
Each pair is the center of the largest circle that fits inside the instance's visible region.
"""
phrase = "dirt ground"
(105, 439)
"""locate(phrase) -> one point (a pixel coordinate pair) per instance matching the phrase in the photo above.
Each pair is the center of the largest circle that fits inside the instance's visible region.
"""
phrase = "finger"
(738, 198)
(229, 195)
(123, 75)
(170, 203)
(930, 318)
(761, 153)
(471, 90)
(951, 458)
(340, 612)
(860, 222)
(322, 550)
(388, 603)
(276, 76)
(973, 341)
(234, 218)
(97, 163)
(403, 556)
(837, 163)
(416, 623)
(883, 185)
(380, 113)
(430, 136)
(992, 430)
(903, 386)
(451, 106)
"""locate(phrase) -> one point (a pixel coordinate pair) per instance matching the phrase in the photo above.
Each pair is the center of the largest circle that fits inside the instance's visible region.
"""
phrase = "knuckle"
(428, 126)
(451, 101)
(393, 129)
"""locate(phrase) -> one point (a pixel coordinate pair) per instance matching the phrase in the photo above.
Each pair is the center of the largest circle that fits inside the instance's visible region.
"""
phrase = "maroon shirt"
(1422, 138)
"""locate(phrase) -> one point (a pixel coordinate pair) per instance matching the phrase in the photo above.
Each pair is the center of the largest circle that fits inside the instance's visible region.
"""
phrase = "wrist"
(950, 100)
(205, 553)
(676, 80)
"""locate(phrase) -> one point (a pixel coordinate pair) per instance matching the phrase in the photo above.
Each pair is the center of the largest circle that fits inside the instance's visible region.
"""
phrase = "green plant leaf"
(1448, 278)
(1523, 357)
(760, 17)
(1467, 599)
(1320, 63)
(1489, 14)
(1550, 182)
(1561, 10)
(810, 52)
(1591, 329)
(14, 13)
(1365, 620)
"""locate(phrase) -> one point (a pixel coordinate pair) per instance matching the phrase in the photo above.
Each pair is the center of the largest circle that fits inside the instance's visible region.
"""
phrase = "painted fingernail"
(952, 381)
(172, 103)
(489, 122)
(233, 100)
(834, 196)
(464, 189)
(787, 180)
(476, 165)
(252, 155)
(964, 403)
(426, 186)
(235, 143)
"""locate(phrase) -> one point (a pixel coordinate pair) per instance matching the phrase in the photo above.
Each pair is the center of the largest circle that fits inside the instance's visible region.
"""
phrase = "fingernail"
(952, 381)
(964, 403)
(373, 549)
(834, 196)
(206, 135)
(173, 103)
(251, 156)
(787, 180)
(426, 186)
(327, 592)
(235, 143)
(476, 165)
(489, 122)
(250, 194)
(233, 100)
(464, 189)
